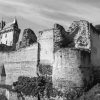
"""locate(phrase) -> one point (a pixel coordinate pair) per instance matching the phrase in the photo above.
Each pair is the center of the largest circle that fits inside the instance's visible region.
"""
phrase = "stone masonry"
(66, 54)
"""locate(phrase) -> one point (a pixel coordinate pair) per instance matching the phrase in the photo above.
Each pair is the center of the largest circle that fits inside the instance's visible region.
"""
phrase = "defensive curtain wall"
(22, 62)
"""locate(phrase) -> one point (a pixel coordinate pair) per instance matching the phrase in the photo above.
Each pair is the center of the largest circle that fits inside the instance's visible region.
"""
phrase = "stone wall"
(61, 38)
(21, 62)
(95, 53)
(95, 47)
(82, 37)
(68, 69)
(46, 46)
(72, 66)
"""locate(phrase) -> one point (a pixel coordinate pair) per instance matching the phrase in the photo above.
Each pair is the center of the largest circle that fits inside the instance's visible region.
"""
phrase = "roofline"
(46, 30)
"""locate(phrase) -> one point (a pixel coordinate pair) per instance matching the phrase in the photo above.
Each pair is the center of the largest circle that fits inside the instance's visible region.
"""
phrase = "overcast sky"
(42, 14)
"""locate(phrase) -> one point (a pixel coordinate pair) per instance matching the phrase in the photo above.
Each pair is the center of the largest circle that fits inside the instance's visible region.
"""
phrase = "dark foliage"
(42, 87)
(32, 86)
(92, 94)
(2, 97)
(45, 69)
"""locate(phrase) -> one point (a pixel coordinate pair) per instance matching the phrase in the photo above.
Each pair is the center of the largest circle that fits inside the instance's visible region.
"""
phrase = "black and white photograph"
(49, 49)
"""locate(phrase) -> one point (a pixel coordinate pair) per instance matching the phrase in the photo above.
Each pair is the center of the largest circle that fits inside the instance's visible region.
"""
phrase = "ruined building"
(89, 42)
(71, 66)
(19, 60)
(73, 55)
(69, 58)
(9, 35)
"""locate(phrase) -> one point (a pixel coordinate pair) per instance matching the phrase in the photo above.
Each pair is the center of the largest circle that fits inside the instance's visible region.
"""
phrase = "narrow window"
(6, 42)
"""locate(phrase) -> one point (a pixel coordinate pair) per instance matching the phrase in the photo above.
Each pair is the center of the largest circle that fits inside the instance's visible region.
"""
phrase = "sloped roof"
(9, 24)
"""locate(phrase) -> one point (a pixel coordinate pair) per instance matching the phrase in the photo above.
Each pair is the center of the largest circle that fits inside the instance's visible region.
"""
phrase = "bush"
(31, 86)
(2, 97)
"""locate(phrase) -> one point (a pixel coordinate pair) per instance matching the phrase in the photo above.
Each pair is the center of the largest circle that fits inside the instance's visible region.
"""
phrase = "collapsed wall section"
(60, 37)
(82, 38)
(80, 34)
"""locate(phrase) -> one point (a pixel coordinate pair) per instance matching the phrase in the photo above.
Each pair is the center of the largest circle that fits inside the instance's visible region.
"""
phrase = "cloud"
(85, 11)
(30, 11)
(44, 13)
(74, 9)
(13, 3)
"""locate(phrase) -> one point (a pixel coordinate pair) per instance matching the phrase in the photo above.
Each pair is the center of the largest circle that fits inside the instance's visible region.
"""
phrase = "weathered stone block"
(69, 71)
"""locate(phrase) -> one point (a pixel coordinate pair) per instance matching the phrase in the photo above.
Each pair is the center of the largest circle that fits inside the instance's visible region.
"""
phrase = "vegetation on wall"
(2, 97)
(40, 87)
(35, 86)
(45, 69)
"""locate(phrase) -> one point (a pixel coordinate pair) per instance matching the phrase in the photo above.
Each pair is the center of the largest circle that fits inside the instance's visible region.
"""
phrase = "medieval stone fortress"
(69, 57)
